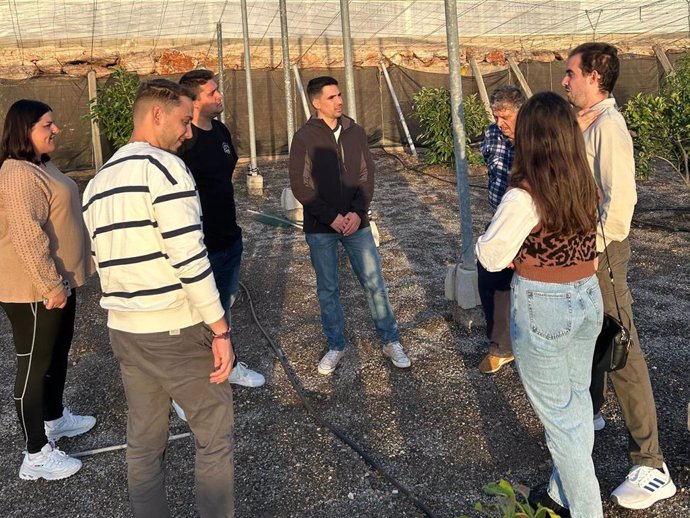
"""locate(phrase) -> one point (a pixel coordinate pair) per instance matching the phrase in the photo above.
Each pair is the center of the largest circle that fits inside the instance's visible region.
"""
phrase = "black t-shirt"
(211, 158)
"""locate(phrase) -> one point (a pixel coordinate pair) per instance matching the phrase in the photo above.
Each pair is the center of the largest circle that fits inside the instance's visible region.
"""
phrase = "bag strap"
(608, 265)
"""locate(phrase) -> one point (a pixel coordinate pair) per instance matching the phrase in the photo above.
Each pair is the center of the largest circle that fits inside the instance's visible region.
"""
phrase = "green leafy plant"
(112, 108)
(509, 504)
(661, 124)
(432, 108)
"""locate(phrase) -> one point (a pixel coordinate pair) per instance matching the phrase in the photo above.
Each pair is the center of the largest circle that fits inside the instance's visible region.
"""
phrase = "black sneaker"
(540, 496)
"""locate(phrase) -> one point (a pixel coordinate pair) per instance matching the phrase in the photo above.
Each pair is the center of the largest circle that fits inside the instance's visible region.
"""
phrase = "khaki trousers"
(155, 368)
(631, 383)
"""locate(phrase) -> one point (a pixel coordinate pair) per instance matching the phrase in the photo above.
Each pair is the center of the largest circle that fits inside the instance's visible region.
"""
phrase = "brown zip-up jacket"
(329, 177)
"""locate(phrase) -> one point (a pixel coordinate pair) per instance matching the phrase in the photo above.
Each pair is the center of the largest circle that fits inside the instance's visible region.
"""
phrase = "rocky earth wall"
(75, 60)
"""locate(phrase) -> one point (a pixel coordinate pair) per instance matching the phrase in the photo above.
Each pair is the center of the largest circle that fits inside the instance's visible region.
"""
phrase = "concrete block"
(466, 290)
(255, 184)
(461, 286)
(294, 211)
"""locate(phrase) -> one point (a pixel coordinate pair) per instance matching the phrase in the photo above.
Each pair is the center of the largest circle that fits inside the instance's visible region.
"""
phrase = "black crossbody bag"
(613, 342)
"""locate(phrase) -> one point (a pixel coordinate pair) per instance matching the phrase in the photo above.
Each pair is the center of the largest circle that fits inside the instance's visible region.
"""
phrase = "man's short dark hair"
(162, 91)
(602, 58)
(507, 96)
(315, 85)
(195, 79)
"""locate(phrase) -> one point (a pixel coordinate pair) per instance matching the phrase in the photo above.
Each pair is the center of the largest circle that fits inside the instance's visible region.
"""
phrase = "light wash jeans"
(366, 264)
(553, 330)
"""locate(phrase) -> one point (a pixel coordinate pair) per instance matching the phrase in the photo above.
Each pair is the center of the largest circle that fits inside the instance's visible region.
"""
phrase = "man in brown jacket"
(332, 175)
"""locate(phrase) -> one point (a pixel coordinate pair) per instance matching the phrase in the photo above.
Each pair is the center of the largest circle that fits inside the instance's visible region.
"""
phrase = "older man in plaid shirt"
(494, 287)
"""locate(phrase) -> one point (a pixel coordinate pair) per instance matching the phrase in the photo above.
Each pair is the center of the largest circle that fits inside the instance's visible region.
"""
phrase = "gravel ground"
(440, 428)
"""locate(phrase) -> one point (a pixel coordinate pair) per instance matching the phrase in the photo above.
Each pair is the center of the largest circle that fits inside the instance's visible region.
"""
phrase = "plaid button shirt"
(497, 150)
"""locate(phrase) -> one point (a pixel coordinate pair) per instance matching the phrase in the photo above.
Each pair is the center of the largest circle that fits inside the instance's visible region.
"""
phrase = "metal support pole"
(300, 88)
(95, 128)
(350, 100)
(458, 116)
(221, 65)
(250, 93)
(287, 78)
(398, 109)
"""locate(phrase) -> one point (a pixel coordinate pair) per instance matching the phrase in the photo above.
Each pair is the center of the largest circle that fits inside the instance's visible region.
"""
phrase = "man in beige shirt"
(592, 71)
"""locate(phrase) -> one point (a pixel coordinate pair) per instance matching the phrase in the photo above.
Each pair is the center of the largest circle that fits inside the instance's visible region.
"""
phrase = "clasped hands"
(347, 224)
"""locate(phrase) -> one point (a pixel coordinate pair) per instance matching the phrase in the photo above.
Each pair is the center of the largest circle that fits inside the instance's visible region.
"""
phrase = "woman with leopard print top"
(545, 227)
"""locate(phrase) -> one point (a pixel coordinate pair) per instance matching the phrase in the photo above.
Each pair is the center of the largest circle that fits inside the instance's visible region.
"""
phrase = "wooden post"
(302, 95)
(95, 129)
(663, 59)
(521, 78)
(482, 87)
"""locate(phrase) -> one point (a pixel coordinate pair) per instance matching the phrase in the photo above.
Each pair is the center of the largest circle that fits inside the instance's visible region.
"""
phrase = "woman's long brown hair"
(551, 164)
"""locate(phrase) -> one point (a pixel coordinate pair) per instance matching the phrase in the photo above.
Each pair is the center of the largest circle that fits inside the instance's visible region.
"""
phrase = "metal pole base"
(255, 184)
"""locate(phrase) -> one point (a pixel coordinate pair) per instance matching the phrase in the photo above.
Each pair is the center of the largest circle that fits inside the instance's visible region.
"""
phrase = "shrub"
(661, 124)
(432, 108)
(112, 108)
(508, 504)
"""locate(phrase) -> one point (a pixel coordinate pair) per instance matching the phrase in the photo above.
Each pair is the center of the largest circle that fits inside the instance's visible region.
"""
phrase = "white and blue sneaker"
(643, 487)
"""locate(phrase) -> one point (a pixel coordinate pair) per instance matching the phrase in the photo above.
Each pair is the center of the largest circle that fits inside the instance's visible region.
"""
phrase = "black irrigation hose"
(635, 223)
(280, 354)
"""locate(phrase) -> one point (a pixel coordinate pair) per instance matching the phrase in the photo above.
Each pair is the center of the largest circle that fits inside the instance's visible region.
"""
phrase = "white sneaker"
(330, 361)
(644, 486)
(178, 410)
(599, 422)
(68, 425)
(242, 375)
(395, 352)
(50, 463)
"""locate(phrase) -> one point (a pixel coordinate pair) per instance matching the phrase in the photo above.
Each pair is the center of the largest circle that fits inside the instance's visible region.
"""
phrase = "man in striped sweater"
(167, 325)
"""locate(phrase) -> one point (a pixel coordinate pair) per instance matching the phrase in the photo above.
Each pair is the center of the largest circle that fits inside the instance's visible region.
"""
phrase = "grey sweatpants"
(155, 368)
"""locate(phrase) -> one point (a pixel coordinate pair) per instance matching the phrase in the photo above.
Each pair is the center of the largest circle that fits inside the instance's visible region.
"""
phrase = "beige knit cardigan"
(43, 240)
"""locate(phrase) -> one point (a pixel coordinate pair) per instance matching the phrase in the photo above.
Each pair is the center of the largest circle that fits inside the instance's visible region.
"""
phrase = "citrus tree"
(432, 109)
(660, 124)
(112, 107)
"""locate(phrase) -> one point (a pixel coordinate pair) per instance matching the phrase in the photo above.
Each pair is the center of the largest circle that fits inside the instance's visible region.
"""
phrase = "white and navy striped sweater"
(144, 219)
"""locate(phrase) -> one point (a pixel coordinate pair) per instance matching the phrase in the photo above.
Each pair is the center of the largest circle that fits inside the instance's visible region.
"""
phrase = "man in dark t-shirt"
(211, 158)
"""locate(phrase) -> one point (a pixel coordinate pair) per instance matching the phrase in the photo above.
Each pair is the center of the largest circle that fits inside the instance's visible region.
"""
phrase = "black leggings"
(42, 338)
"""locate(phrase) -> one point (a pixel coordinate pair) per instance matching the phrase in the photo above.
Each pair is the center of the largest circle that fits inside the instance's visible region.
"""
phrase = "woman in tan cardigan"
(45, 256)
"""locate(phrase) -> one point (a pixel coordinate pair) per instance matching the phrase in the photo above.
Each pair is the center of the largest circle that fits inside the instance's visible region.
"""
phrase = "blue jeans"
(366, 264)
(226, 272)
(553, 329)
